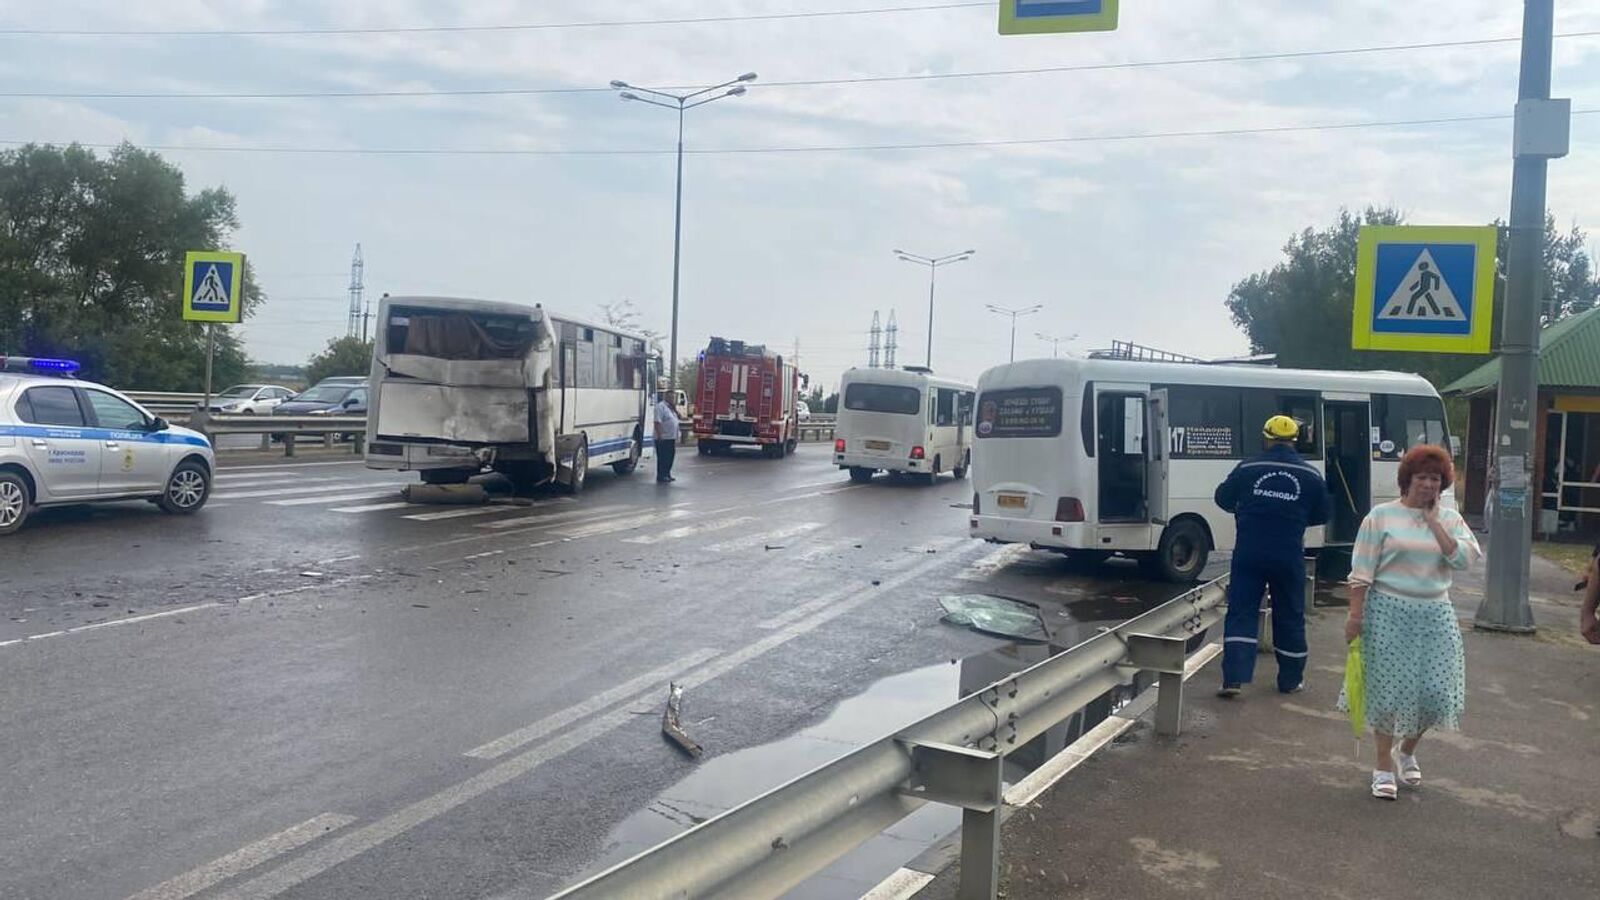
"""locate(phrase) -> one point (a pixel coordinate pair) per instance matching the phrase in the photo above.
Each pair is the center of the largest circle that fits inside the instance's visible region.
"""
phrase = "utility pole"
(891, 339)
(875, 342)
(1541, 133)
(357, 312)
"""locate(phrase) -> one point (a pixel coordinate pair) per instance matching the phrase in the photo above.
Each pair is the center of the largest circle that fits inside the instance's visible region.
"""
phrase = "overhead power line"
(471, 29)
(823, 148)
(404, 93)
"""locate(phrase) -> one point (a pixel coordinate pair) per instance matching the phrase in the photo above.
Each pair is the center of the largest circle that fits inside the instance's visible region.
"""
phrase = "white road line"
(624, 524)
(461, 513)
(328, 488)
(131, 620)
(537, 519)
(791, 499)
(556, 721)
(245, 858)
(376, 507)
(338, 498)
(304, 465)
(810, 606)
(346, 847)
(765, 537)
(674, 534)
(244, 481)
(902, 885)
(985, 568)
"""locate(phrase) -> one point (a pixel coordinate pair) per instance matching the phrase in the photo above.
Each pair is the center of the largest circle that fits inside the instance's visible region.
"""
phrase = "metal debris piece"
(672, 726)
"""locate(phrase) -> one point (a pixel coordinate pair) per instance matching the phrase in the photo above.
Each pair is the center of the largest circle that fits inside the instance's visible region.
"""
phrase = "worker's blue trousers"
(1257, 570)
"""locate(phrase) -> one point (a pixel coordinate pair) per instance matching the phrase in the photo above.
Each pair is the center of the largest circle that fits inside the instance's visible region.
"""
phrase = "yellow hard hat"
(1280, 428)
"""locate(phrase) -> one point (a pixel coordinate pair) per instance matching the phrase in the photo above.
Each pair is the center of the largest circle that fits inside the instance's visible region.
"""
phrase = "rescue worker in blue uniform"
(1274, 498)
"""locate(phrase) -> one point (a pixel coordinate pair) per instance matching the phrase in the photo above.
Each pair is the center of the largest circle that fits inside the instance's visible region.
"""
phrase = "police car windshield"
(328, 394)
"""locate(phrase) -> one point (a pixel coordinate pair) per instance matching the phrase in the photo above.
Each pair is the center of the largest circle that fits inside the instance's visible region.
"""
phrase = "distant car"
(64, 441)
(803, 410)
(336, 399)
(249, 399)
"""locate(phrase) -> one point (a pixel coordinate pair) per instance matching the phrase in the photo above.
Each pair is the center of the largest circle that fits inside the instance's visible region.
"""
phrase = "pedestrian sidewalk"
(1264, 797)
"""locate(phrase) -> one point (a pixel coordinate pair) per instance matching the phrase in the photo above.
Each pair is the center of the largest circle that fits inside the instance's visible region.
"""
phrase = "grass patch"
(1572, 557)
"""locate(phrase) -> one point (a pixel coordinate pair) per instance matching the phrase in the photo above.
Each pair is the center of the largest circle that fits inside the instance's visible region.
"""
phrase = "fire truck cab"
(745, 396)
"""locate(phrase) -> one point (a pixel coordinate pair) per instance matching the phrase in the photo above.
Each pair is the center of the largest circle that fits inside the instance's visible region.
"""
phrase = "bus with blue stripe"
(461, 387)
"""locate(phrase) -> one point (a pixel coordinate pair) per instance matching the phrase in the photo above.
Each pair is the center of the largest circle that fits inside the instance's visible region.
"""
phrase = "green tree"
(91, 265)
(343, 356)
(1301, 309)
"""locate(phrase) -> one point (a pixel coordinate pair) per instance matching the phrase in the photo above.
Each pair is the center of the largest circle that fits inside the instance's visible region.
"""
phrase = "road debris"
(995, 615)
(672, 726)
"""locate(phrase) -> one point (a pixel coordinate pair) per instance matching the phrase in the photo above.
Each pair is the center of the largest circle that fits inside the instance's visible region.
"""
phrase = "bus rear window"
(1032, 412)
(447, 334)
(883, 398)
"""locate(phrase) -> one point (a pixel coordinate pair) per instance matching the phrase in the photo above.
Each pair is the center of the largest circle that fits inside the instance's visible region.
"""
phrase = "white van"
(902, 421)
(1100, 456)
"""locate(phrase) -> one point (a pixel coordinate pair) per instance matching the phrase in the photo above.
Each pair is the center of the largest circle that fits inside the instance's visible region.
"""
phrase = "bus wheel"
(580, 467)
(933, 474)
(626, 466)
(1182, 553)
(860, 475)
(960, 471)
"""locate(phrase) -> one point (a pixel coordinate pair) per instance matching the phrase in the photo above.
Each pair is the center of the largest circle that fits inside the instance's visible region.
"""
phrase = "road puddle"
(723, 782)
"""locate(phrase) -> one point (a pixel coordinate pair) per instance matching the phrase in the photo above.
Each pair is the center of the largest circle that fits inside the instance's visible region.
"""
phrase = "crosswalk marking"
(341, 498)
(551, 518)
(253, 481)
(624, 524)
(460, 513)
(674, 534)
(766, 537)
(329, 488)
(375, 507)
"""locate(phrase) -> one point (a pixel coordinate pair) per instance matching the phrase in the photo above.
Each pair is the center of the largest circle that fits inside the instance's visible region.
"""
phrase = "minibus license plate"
(1013, 501)
(877, 445)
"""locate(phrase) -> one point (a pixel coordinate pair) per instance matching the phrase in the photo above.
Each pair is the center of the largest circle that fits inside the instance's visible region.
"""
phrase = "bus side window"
(944, 414)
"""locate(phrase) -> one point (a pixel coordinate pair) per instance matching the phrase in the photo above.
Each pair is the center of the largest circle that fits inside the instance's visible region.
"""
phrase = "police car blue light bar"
(38, 364)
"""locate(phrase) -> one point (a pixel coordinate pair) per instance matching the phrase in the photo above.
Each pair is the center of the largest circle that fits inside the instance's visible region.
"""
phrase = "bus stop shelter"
(1566, 420)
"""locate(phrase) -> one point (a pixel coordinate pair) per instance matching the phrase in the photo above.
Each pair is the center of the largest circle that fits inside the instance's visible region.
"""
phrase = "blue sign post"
(1054, 16)
(1424, 289)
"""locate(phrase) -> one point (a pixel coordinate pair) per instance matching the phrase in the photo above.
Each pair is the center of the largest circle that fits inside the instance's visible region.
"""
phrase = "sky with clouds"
(1132, 239)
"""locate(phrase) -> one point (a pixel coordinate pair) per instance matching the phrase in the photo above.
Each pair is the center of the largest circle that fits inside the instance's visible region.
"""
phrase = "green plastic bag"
(1355, 689)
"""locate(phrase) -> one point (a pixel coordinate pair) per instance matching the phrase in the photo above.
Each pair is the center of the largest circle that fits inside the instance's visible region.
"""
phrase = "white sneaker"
(1383, 786)
(1410, 772)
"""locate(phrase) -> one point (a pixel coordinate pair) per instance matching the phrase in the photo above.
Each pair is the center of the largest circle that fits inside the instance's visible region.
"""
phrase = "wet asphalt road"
(313, 690)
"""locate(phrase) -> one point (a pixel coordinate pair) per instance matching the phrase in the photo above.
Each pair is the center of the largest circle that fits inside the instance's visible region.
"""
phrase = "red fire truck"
(746, 396)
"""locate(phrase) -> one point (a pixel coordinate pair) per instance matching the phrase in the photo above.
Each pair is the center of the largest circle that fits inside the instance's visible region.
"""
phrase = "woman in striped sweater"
(1411, 650)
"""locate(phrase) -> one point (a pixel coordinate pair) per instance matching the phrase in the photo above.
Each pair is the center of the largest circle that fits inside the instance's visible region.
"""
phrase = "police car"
(64, 441)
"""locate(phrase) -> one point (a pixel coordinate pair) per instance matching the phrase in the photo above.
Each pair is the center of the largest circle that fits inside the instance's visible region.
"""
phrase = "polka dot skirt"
(1416, 671)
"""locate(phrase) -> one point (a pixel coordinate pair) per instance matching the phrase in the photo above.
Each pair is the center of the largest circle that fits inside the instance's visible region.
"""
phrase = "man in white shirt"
(666, 418)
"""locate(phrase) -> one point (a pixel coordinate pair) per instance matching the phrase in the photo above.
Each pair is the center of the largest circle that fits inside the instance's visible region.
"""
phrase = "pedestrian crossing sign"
(213, 285)
(1053, 16)
(1427, 289)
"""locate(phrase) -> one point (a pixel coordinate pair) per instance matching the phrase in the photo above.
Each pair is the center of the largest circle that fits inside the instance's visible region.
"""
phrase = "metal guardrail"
(176, 407)
(286, 427)
(772, 843)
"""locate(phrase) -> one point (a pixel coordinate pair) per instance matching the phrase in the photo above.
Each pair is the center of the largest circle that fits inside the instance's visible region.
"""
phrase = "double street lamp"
(1014, 314)
(680, 103)
(1055, 342)
(933, 263)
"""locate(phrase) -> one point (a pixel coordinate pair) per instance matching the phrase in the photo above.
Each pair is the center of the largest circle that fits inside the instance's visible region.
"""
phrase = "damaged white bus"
(460, 387)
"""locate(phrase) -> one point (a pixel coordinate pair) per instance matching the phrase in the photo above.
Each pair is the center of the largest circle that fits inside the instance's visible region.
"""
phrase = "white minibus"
(1097, 457)
(902, 421)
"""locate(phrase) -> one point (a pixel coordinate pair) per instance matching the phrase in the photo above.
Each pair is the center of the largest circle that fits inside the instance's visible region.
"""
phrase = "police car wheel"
(14, 502)
(187, 489)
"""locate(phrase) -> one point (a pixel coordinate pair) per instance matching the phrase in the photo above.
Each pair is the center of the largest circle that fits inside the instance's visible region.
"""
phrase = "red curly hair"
(1427, 458)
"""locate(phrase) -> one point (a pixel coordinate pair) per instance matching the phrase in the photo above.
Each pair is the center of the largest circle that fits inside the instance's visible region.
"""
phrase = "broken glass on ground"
(992, 614)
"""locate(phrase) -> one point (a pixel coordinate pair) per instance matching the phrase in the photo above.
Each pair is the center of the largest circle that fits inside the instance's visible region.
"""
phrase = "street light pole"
(1055, 342)
(933, 263)
(1014, 314)
(681, 103)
